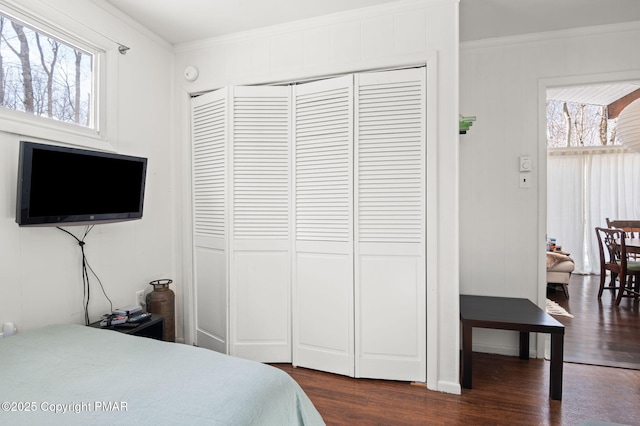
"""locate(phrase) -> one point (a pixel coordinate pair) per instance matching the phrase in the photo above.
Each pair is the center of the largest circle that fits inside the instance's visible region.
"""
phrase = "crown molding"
(551, 35)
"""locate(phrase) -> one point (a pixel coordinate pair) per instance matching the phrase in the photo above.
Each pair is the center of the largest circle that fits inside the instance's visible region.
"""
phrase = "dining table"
(633, 245)
(632, 231)
(632, 242)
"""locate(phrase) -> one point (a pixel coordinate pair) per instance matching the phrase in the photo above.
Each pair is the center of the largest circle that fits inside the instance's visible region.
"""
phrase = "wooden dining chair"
(614, 258)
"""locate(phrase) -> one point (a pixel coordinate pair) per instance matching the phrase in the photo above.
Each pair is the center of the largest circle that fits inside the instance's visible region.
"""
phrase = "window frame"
(104, 74)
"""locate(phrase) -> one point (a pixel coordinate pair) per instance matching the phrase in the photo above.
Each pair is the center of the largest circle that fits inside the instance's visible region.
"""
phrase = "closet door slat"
(260, 163)
(390, 144)
(209, 162)
(323, 163)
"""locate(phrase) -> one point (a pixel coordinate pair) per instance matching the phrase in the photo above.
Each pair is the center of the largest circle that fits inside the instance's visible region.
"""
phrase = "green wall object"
(466, 123)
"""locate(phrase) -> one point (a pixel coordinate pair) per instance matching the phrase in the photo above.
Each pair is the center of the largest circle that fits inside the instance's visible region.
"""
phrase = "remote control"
(109, 320)
(140, 317)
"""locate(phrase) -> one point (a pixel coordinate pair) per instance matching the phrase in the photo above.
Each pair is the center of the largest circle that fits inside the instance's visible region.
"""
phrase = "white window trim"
(105, 75)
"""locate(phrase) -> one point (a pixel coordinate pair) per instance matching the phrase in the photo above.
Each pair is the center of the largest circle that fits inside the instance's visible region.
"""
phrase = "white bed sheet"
(72, 374)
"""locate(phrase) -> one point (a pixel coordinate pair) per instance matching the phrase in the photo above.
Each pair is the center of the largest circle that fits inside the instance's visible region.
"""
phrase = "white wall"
(398, 34)
(40, 277)
(502, 82)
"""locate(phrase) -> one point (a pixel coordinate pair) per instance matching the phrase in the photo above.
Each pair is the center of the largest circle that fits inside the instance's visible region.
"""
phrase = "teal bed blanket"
(72, 374)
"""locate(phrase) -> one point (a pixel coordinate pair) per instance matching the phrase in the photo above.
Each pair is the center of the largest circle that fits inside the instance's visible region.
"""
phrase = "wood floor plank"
(508, 390)
(600, 333)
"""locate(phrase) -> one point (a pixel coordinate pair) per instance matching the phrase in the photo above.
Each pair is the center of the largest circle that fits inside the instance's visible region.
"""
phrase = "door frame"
(543, 345)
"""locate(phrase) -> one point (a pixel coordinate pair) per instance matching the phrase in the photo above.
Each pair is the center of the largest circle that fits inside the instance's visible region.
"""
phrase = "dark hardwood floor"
(507, 390)
(600, 333)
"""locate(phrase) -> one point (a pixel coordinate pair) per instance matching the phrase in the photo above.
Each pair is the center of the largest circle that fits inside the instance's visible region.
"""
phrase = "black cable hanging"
(85, 274)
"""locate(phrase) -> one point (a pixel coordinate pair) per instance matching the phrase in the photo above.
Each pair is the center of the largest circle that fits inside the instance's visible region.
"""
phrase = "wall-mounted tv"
(69, 186)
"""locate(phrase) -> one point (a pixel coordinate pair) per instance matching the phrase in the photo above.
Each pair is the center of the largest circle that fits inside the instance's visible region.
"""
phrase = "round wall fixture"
(191, 73)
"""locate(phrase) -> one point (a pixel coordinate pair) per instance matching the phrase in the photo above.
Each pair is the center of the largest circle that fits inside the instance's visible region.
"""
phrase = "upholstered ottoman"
(559, 269)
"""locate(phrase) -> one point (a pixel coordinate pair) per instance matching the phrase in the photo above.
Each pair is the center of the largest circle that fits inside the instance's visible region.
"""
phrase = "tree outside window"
(44, 76)
(573, 124)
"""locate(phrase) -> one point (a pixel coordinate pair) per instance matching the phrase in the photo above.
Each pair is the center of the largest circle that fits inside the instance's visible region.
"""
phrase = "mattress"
(72, 374)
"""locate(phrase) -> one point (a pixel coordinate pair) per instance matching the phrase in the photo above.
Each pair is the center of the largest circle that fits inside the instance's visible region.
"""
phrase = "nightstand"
(153, 328)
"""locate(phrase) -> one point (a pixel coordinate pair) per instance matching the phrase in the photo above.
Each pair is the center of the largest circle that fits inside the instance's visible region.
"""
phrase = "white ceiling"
(595, 94)
(179, 21)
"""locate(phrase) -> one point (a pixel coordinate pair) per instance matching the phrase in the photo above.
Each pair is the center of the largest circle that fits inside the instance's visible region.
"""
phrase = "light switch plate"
(525, 164)
(525, 180)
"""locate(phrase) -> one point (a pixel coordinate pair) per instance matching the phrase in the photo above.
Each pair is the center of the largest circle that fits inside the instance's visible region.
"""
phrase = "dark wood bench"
(508, 313)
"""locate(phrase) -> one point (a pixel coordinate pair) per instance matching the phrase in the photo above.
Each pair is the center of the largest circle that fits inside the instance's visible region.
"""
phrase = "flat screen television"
(69, 186)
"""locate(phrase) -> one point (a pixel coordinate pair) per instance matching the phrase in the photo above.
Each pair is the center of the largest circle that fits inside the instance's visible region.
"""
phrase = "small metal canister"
(162, 301)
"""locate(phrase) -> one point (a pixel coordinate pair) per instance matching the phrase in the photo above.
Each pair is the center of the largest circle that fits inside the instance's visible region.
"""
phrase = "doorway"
(590, 177)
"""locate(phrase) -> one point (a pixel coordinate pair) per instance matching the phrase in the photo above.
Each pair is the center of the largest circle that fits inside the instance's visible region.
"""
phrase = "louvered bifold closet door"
(390, 289)
(323, 225)
(260, 267)
(208, 137)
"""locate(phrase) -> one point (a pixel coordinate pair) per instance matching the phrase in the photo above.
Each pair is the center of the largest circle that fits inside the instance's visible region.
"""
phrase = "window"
(575, 124)
(42, 75)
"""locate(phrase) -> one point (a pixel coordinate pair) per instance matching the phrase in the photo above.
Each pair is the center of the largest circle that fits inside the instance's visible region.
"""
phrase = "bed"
(72, 374)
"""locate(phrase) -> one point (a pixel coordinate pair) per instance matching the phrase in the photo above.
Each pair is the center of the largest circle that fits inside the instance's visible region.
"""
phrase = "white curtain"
(582, 191)
(565, 205)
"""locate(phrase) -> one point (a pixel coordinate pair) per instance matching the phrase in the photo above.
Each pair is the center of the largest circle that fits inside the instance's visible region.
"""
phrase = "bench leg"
(524, 345)
(467, 350)
(557, 360)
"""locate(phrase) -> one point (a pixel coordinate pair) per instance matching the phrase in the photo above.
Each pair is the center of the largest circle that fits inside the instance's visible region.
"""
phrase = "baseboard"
(449, 387)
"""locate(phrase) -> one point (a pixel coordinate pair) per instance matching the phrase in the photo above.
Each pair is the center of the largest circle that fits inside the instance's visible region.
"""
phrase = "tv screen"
(68, 186)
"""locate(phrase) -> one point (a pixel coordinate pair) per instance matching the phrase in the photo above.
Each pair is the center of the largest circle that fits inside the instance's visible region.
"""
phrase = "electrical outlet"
(140, 300)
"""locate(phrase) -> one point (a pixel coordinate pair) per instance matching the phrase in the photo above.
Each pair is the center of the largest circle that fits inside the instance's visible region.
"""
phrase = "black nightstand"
(153, 328)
